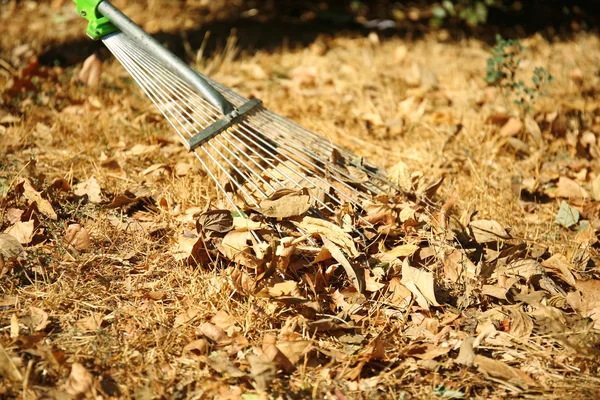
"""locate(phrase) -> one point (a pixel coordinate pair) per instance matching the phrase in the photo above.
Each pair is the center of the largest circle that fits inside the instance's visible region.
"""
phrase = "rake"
(249, 152)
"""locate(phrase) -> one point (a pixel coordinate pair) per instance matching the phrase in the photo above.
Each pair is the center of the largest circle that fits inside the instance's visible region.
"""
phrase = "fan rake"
(249, 152)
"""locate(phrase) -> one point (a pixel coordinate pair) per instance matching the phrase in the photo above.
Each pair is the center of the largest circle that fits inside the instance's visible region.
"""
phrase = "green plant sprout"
(502, 70)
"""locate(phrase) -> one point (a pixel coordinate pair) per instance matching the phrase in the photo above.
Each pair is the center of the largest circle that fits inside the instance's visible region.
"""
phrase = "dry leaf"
(35, 197)
(596, 188)
(9, 366)
(420, 283)
(285, 203)
(466, 355)
(486, 231)
(263, 372)
(559, 265)
(570, 189)
(91, 323)
(354, 271)
(294, 350)
(212, 332)
(91, 71)
(22, 231)
(10, 247)
(404, 250)
(78, 237)
(80, 381)
(185, 317)
(14, 326)
(286, 288)
(400, 175)
(457, 264)
(91, 188)
(220, 221)
(512, 127)
(398, 294)
(499, 370)
(333, 232)
(196, 348)
(39, 319)
(533, 129)
(587, 300)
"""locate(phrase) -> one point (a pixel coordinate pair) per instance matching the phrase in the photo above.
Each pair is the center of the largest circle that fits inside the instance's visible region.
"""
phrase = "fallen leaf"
(91, 323)
(91, 71)
(9, 366)
(566, 216)
(80, 381)
(220, 221)
(286, 288)
(285, 203)
(512, 127)
(400, 175)
(212, 332)
(294, 350)
(263, 372)
(398, 294)
(196, 348)
(224, 366)
(91, 188)
(426, 351)
(466, 354)
(420, 283)
(596, 188)
(569, 189)
(10, 247)
(13, 215)
(499, 370)
(486, 231)
(78, 237)
(35, 197)
(22, 231)
(185, 317)
(587, 300)
(559, 265)
(533, 129)
(14, 326)
(404, 250)
(333, 232)
(39, 319)
(354, 271)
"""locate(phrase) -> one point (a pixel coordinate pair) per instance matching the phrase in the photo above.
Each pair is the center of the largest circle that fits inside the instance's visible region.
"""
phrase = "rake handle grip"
(152, 46)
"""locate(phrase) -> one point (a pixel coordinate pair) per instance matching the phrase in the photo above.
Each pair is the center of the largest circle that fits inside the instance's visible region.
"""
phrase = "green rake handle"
(104, 19)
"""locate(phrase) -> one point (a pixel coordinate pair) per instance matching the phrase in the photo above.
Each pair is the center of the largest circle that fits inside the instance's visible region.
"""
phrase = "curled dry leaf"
(355, 272)
(285, 203)
(486, 231)
(39, 319)
(333, 232)
(586, 300)
(78, 237)
(22, 231)
(35, 197)
(398, 294)
(80, 381)
(196, 348)
(212, 332)
(286, 288)
(263, 372)
(91, 71)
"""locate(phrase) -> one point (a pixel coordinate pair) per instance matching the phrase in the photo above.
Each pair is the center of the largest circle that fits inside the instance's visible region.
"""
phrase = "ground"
(481, 280)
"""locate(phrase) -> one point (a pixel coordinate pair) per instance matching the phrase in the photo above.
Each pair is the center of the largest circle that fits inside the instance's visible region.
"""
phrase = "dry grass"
(360, 92)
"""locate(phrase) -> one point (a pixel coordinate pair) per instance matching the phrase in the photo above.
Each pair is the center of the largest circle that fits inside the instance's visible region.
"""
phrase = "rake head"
(250, 153)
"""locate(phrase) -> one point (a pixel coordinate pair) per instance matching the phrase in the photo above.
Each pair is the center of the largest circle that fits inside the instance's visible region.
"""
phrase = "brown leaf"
(212, 332)
(420, 283)
(91, 188)
(91, 71)
(35, 197)
(426, 351)
(587, 300)
(196, 348)
(236, 246)
(294, 350)
(78, 237)
(39, 319)
(400, 175)
(596, 188)
(185, 317)
(404, 250)
(13, 215)
(466, 355)
(286, 288)
(223, 320)
(80, 381)
(486, 231)
(22, 231)
(559, 265)
(220, 221)
(512, 127)
(533, 129)
(570, 189)
(91, 323)
(263, 372)
(355, 272)
(499, 370)
(457, 264)
(521, 324)
(333, 232)
(285, 203)
(399, 294)
(9, 366)
(10, 247)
